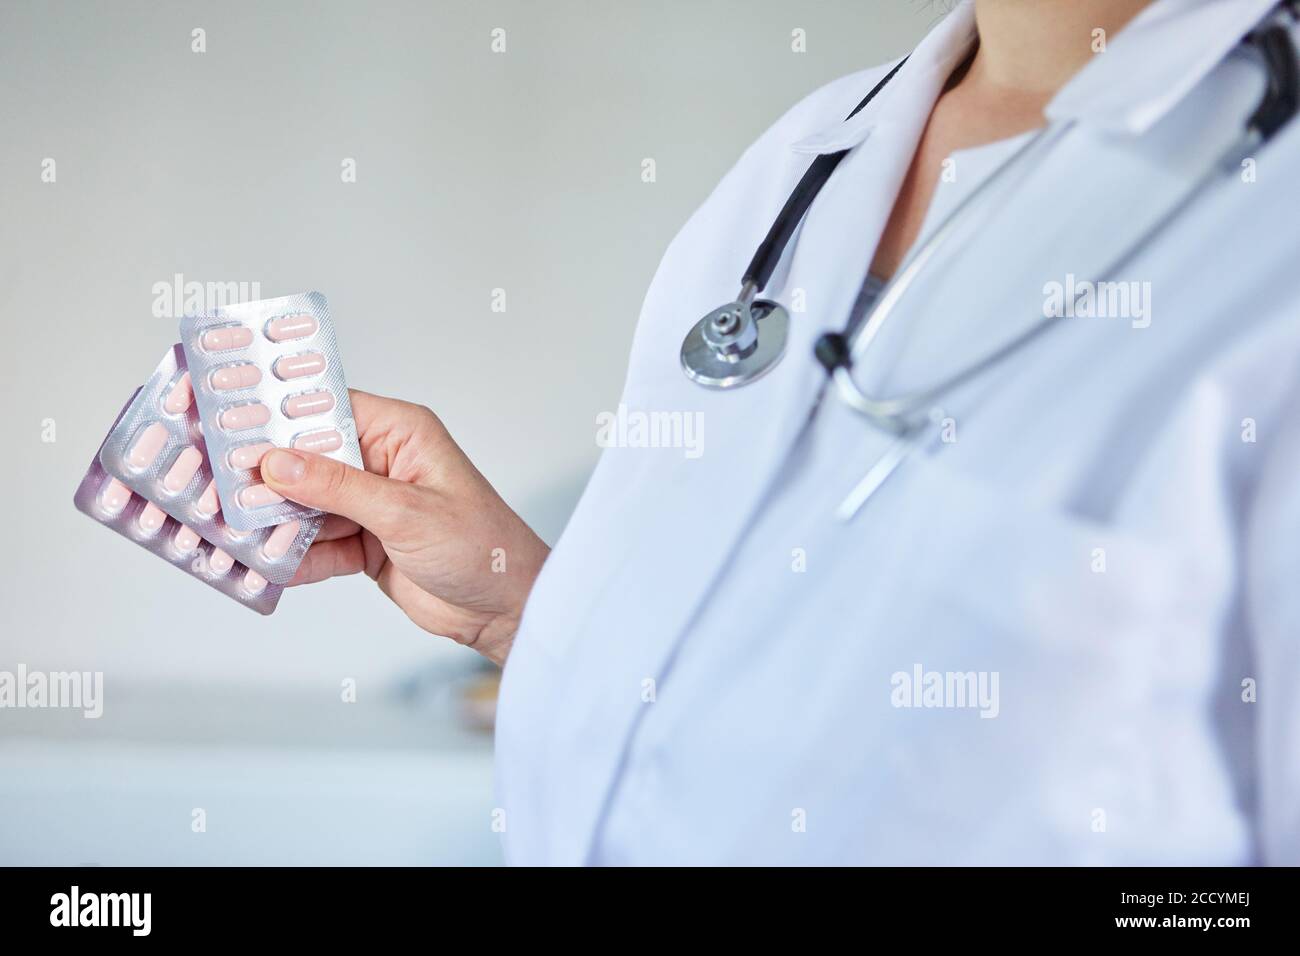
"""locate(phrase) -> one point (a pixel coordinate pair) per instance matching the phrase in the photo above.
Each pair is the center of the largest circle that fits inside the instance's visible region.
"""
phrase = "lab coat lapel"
(835, 244)
(629, 631)
(840, 233)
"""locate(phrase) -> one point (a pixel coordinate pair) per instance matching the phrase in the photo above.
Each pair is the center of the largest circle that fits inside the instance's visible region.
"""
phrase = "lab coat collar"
(1156, 60)
(939, 53)
(1145, 70)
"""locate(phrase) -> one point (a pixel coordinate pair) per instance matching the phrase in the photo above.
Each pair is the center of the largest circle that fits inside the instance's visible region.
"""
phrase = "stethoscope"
(737, 343)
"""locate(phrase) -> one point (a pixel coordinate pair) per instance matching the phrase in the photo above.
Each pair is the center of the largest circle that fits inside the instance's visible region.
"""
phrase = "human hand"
(421, 521)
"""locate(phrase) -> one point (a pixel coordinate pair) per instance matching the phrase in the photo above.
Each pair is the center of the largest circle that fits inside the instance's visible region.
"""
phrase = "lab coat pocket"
(1094, 646)
(1041, 581)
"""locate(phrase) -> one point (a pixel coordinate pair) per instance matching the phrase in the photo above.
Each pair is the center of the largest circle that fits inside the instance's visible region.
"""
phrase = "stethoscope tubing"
(774, 244)
(891, 413)
(901, 414)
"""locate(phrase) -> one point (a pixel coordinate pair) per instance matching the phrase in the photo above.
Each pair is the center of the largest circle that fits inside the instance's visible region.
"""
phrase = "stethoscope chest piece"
(736, 343)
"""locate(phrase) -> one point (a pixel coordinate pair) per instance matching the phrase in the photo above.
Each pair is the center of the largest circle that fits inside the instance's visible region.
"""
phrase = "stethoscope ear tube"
(740, 341)
(1282, 98)
(778, 237)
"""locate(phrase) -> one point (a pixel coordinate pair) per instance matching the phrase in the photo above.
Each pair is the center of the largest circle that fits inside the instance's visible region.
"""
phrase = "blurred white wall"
(475, 171)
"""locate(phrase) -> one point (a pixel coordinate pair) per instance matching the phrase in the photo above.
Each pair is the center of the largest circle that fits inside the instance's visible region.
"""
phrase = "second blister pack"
(157, 450)
(112, 504)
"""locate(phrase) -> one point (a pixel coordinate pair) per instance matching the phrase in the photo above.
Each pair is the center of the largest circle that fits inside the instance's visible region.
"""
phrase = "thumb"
(381, 505)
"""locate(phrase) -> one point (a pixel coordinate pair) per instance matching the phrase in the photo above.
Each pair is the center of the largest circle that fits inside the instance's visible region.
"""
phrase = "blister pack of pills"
(111, 503)
(157, 450)
(267, 374)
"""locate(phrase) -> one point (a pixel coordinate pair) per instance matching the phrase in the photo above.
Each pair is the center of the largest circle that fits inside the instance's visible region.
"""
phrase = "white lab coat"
(708, 667)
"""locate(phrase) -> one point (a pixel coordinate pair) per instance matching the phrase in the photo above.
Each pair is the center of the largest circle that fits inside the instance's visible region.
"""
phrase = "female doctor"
(1065, 629)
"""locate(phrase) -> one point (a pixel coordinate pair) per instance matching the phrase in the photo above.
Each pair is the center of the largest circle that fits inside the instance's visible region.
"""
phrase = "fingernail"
(284, 467)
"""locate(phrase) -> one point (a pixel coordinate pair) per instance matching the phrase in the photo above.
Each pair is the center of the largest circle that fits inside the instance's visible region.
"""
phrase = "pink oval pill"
(288, 327)
(220, 562)
(312, 403)
(222, 340)
(180, 396)
(277, 545)
(239, 417)
(254, 583)
(319, 442)
(259, 496)
(230, 377)
(147, 446)
(114, 497)
(182, 469)
(299, 366)
(151, 518)
(236, 535)
(185, 540)
(208, 504)
(247, 456)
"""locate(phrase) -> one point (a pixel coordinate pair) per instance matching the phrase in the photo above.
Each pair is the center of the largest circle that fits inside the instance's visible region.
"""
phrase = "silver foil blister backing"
(184, 504)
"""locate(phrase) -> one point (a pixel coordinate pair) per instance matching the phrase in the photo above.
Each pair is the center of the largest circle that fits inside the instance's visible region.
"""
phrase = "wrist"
(496, 638)
(497, 635)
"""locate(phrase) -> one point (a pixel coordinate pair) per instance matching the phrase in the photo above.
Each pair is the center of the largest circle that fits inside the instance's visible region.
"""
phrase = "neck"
(1035, 46)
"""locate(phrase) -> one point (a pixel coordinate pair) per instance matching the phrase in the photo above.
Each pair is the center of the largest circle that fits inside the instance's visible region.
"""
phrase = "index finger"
(369, 409)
